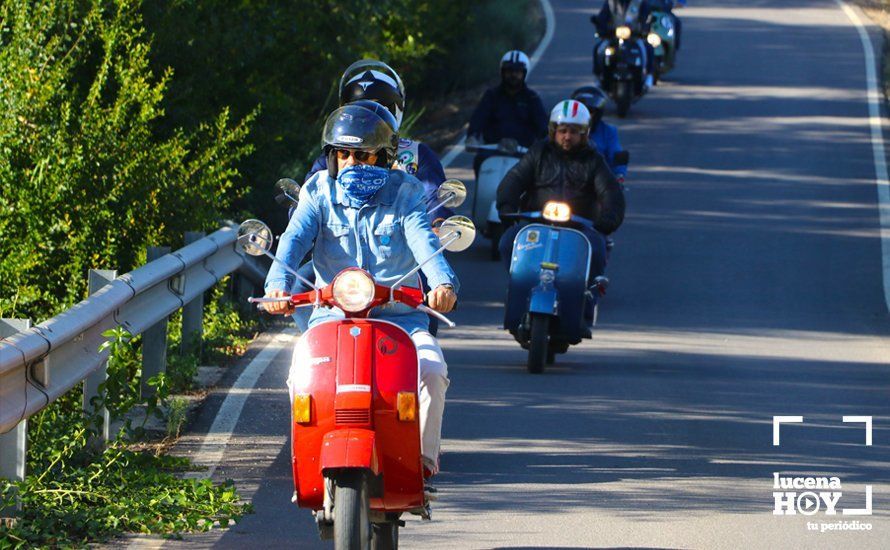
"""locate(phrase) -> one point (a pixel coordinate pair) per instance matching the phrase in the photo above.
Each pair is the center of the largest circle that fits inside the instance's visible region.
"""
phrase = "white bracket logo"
(809, 502)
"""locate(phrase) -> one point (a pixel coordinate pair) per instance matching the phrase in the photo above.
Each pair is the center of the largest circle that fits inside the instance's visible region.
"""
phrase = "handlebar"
(411, 297)
(495, 148)
(573, 219)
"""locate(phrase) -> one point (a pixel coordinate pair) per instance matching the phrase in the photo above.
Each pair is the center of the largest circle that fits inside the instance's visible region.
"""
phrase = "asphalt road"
(747, 283)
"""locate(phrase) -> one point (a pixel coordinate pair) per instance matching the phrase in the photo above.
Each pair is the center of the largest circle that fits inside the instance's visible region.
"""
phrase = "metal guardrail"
(40, 364)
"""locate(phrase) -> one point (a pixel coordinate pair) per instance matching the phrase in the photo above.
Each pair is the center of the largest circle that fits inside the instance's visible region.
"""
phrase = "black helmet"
(357, 127)
(380, 111)
(376, 81)
(595, 100)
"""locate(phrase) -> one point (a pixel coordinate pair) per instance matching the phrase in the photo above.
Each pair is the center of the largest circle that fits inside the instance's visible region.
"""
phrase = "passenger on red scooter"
(361, 213)
(565, 168)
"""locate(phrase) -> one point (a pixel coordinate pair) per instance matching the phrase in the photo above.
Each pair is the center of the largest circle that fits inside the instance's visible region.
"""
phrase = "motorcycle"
(662, 37)
(492, 170)
(548, 289)
(353, 387)
(624, 69)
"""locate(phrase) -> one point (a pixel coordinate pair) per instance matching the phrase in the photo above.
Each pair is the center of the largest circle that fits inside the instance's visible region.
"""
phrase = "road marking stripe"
(217, 438)
(458, 147)
(877, 141)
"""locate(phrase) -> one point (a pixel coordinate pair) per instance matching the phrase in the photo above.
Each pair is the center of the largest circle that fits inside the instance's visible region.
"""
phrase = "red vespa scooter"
(355, 428)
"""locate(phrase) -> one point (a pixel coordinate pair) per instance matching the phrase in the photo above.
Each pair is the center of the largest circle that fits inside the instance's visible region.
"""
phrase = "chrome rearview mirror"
(287, 192)
(457, 233)
(452, 193)
(254, 237)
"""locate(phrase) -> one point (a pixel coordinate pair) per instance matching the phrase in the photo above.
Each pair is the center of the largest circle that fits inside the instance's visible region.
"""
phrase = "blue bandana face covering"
(361, 182)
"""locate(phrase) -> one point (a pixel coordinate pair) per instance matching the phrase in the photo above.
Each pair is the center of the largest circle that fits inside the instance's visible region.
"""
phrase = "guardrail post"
(97, 279)
(13, 444)
(154, 339)
(245, 289)
(193, 313)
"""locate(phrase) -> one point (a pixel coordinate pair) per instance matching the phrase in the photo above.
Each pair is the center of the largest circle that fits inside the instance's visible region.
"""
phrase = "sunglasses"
(359, 156)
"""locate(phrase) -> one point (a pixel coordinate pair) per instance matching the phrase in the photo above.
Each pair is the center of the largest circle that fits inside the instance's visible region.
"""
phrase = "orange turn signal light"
(302, 408)
(407, 405)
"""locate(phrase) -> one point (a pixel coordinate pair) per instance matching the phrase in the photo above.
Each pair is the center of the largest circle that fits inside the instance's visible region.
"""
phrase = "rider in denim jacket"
(361, 213)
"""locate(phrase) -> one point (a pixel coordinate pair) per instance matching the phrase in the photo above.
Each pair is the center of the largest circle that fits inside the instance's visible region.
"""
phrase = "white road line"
(458, 147)
(877, 142)
(217, 438)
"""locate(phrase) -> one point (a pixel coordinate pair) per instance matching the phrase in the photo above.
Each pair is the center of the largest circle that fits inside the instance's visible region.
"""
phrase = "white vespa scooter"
(493, 169)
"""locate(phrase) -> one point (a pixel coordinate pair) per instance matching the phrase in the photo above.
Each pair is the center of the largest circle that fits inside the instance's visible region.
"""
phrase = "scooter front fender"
(544, 301)
(349, 448)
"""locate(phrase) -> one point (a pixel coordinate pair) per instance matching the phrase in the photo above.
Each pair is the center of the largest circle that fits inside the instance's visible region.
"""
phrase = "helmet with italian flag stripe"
(572, 112)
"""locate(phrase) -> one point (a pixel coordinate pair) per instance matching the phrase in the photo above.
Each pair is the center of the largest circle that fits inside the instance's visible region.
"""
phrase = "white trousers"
(433, 385)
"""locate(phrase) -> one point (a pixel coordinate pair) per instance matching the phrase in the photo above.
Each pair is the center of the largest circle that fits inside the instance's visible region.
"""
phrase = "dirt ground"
(879, 12)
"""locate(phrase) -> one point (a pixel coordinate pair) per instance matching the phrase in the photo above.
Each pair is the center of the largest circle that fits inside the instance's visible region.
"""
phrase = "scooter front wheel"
(623, 98)
(352, 526)
(538, 342)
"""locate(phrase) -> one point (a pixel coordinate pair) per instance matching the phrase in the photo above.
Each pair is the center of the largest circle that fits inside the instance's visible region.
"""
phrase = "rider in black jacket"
(565, 168)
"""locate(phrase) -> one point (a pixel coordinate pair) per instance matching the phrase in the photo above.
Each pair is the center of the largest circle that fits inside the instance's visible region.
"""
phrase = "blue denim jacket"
(386, 237)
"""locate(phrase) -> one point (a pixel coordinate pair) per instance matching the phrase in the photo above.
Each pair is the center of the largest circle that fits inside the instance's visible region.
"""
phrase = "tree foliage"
(288, 57)
(85, 179)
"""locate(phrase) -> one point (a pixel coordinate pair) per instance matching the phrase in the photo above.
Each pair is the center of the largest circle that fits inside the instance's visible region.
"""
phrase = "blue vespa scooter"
(548, 288)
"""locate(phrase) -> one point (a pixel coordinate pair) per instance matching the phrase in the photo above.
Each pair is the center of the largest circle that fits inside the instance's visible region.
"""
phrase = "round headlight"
(623, 32)
(654, 39)
(353, 290)
(557, 211)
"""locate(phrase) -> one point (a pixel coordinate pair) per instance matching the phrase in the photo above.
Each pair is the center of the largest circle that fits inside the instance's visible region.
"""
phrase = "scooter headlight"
(557, 211)
(353, 290)
(622, 32)
(654, 39)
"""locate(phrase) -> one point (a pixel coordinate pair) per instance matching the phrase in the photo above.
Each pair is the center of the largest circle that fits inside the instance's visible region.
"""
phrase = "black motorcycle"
(623, 68)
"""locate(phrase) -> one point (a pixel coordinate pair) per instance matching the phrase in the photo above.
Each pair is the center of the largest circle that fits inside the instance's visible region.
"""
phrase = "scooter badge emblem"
(355, 331)
(387, 346)
(532, 236)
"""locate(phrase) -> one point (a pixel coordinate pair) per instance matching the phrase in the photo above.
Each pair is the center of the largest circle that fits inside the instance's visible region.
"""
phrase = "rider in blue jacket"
(603, 136)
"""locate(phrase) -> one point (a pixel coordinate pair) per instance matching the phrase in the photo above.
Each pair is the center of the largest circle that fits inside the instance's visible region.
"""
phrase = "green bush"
(85, 179)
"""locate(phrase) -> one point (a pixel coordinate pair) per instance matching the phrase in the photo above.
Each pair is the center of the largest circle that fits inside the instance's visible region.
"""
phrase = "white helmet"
(570, 111)
(515, 59)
